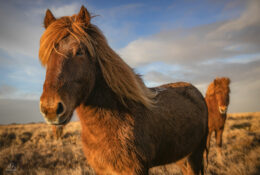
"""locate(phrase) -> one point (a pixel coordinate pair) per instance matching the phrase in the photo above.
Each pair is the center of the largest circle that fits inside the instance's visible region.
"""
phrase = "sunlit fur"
(127, 128)
(217, 96)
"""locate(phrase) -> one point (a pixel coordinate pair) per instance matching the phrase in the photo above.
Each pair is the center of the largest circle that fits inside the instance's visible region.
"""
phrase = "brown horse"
(217, 99)
(57, 131)
(126, 127)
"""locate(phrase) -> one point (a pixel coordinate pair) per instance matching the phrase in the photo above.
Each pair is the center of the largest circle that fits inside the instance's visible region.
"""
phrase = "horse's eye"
(79, 52)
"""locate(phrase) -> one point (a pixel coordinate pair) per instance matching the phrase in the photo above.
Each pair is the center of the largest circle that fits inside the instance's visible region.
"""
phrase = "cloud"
(19, 111)
(217, 40)
(250, 18)
(21, 29)
(204, 73)
(7, 91)
(116, 22)
(65, 10)
(230, 47)
(245, 83)
(22, 73)
(19, 33)
(11, 92)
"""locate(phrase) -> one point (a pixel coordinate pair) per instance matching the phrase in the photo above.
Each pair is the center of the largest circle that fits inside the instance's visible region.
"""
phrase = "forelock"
(57, 31)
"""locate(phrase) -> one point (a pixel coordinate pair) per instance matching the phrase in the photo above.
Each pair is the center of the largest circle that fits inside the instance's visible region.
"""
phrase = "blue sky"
(165, 41)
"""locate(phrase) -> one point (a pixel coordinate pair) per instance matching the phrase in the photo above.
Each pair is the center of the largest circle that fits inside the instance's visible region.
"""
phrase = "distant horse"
(217, 99)
(57, 131)
(127, 128)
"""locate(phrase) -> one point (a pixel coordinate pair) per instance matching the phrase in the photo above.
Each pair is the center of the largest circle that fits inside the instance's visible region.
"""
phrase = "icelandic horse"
(217, 99)
(127, 128)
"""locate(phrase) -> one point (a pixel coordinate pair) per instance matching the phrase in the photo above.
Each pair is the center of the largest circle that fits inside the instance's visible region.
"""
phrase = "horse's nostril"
(60, 108)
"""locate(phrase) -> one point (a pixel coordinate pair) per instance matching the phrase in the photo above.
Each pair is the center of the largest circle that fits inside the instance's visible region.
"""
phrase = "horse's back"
(181, 97)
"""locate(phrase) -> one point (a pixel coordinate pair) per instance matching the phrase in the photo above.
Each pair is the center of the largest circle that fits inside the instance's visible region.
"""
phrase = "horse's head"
(70, 68)
(222, 93)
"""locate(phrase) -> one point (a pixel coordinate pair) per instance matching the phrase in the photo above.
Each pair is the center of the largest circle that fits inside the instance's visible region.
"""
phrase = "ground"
(32, 149)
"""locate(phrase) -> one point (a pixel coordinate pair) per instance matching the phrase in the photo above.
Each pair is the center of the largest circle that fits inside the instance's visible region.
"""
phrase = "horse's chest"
(109, 152)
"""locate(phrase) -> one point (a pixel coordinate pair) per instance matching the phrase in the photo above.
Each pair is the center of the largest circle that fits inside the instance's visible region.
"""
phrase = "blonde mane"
(117, 74)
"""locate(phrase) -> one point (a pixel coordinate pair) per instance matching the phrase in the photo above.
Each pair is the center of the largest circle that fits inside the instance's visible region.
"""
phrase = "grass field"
(32, 149)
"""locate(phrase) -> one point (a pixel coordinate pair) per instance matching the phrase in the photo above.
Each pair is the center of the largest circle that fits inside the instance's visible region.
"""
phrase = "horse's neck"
(211, 101)
(93, 115)
(101, 104)
(102, 96)
(101, 122)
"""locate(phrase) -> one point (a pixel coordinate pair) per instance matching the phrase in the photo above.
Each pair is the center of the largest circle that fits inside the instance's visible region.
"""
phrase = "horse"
(127, 128)
(57, 131)
(217, 99)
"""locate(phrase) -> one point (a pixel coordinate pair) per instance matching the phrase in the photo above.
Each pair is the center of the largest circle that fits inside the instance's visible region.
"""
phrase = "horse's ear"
(49, 18)
(83, 16)
(215, 82)
(228, 80)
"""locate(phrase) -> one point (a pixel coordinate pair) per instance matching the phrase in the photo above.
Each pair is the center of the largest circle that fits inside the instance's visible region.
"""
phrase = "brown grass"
(32, 149)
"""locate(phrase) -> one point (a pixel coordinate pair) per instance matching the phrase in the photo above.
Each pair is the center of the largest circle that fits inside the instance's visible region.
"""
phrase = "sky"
(164, 41)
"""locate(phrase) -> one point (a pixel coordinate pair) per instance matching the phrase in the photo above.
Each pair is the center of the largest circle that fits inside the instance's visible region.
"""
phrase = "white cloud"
(19, 45)
(250, 17)
(192, 45)
(19, 32)
(244, 77)
(19, 111)
(115, 23)
(11, 92)
(65, 10)
(225, 48)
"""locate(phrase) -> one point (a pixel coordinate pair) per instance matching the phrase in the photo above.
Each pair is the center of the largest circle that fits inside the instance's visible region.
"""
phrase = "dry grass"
(32, 149)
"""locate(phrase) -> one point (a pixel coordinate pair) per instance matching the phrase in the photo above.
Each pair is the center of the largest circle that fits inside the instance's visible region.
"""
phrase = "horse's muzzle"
(54, 114)
(222, 109)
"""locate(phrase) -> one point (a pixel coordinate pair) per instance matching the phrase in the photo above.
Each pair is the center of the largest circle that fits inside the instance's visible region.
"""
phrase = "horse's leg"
(195, 160)
(218, 135)
(194, 163)
(181, 164)
(208, 139)
(206, 152)
(145, 172)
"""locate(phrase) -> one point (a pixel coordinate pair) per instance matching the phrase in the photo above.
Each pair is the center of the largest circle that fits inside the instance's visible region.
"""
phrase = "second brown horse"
(217, 99)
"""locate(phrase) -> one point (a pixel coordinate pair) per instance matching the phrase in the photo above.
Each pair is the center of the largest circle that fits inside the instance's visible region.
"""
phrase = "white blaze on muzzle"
(222, 109)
